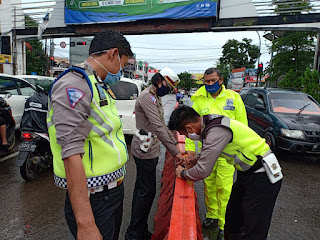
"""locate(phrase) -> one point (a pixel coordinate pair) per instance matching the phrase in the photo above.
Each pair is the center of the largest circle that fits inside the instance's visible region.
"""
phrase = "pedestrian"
(258, 183)
(145, 148)
(88, 146)
(214, 98)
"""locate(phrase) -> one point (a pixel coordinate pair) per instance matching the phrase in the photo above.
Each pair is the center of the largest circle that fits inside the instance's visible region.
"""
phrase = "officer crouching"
(253, 195)
(145, 148)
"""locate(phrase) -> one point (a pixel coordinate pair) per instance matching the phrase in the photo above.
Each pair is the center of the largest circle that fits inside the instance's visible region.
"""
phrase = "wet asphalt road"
(34, 210)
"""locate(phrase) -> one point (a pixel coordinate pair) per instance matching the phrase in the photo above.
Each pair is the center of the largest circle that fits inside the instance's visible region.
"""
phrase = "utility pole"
(259, 83)
(316, 62)
(14, 39)
(51, 55)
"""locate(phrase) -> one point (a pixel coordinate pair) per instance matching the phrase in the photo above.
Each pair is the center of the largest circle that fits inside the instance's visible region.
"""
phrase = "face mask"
(194, 136)
(163, 90)
(213, 88)
(111, 78)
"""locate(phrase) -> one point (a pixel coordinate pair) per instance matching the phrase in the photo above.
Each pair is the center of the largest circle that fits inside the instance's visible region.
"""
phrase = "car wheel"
(271, 141)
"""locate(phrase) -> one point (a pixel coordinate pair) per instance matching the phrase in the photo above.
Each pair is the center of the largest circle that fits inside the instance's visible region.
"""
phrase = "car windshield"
(125, 90)
(293, 103)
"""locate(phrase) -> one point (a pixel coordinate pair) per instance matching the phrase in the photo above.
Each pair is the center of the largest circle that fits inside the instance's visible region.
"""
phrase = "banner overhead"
(112, 11)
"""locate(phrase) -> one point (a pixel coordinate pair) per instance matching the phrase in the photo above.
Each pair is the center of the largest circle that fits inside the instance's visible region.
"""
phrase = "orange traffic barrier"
(177, 217)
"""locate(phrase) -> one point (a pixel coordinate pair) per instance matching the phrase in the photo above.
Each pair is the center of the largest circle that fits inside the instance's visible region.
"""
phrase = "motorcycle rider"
(4, 107)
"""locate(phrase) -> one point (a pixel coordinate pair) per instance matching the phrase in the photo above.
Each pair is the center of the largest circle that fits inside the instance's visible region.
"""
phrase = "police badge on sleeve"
(229, 105)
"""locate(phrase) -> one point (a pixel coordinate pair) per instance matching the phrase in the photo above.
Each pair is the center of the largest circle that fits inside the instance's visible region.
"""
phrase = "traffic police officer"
(88, 146)
(258, 183)
(145, 149)
(214, 98)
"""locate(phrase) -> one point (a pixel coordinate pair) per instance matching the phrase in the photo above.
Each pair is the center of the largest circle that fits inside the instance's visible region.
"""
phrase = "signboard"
(197, 77)
(101, 11)
(5, 59)
(151, 73)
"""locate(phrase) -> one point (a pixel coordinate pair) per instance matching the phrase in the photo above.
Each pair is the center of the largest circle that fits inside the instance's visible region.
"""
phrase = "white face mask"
(194, 136)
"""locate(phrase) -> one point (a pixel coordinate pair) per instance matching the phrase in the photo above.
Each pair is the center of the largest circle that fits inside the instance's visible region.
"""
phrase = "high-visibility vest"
(105, 148)
(245, 146)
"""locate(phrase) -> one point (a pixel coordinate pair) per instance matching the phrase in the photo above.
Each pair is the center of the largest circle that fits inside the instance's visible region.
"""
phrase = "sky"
(184, 51)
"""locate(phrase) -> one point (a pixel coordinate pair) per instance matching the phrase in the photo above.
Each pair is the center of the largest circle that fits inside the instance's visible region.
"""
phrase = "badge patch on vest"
(74, 95)
(229, 105)
(153, 99)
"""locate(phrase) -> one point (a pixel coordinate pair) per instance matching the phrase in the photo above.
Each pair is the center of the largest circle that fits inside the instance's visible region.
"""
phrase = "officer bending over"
(145, 148)
(253, 195)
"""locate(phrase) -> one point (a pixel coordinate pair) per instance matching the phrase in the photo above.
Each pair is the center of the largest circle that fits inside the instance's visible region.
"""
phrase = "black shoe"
(209, 223)
(220, 235)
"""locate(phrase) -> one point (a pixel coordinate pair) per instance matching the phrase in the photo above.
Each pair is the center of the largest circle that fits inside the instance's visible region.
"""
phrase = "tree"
(239, 54)
(294, 51)
(185, 81)
(225, 70)
(37, 61)
(310, 83)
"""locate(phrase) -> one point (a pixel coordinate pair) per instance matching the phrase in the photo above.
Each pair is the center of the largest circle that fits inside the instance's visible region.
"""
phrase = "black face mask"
(163, 90)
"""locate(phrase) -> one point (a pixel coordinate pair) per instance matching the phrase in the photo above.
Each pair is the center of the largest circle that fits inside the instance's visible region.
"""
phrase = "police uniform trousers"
(143, 196)
(250, 206)
(107, 207)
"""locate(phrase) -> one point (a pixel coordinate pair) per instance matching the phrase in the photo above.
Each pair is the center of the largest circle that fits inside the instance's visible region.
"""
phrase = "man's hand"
(179, 170)
(89, 233)
(180, 158)
(190, 159)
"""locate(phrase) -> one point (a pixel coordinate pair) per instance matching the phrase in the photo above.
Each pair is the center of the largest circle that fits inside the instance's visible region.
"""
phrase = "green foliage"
(310, 83)
(239, 54)
(291, 80)
(295, 51)
(36, 59)
(185, 81)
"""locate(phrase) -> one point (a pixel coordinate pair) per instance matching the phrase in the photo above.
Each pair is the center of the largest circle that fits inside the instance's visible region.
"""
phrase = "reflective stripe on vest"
(245, 146)
(104, 144)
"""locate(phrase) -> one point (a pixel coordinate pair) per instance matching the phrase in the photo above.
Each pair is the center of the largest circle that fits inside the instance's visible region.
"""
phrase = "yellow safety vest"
(246, 145)
(105, 148)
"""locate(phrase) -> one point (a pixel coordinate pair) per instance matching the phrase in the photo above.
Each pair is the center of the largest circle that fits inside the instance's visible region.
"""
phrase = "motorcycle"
(6, 114)
(179, 100)
(34, 151)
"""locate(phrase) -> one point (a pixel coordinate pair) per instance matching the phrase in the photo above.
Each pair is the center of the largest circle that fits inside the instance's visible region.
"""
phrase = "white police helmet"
(170, 76)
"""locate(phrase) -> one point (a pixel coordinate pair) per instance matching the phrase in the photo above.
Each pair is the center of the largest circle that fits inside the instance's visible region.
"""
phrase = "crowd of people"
(90, 152)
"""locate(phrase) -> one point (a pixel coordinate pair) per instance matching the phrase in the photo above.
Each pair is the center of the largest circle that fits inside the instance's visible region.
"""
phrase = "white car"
(34, 79)
(127, 90)
(15, 91)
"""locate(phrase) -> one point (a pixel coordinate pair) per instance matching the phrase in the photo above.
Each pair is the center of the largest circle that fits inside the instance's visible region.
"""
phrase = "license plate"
(27, 146)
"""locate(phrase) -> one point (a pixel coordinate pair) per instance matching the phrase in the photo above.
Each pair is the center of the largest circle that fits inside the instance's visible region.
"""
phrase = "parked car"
(15, 91)
(288, 120)
(126, 92)
(43, 81)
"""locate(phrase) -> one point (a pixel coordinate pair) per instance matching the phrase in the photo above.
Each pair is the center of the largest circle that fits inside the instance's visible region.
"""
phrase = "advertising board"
(111, 11)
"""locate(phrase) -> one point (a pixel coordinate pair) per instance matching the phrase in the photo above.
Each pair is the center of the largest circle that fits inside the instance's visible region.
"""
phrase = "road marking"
(9, 156)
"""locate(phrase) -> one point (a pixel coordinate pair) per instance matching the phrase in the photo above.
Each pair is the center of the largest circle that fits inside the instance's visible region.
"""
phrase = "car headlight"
(297, 134)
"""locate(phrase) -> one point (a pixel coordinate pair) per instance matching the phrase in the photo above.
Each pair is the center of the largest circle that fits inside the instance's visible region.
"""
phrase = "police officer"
(214, 98)
(253, 196)
(88, 146)
(145, 149)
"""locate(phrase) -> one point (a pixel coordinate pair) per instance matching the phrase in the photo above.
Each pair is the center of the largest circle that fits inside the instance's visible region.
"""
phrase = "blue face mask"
(213, 88)
(163, 90)
(111, 78)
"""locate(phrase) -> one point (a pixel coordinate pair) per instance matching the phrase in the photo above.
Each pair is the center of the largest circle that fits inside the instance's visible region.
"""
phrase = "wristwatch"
(182, 174)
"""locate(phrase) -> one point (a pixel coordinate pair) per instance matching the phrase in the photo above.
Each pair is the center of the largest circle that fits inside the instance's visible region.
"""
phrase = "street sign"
(63, 44)
(51, 71)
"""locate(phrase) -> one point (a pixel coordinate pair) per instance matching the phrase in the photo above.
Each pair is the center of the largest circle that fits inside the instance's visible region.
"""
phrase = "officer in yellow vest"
(214, 98)
(88, 146)
(259, 177)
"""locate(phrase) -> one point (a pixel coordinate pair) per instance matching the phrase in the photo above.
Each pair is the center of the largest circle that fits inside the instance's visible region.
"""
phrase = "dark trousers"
(143, 196)
(250, 206)
(107, 207)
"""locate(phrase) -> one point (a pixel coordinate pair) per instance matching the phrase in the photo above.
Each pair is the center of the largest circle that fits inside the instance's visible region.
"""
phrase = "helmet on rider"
(170, 76)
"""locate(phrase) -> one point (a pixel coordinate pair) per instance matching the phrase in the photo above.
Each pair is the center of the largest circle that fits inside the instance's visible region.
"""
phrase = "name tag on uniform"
(102, 95)
(229, 105)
